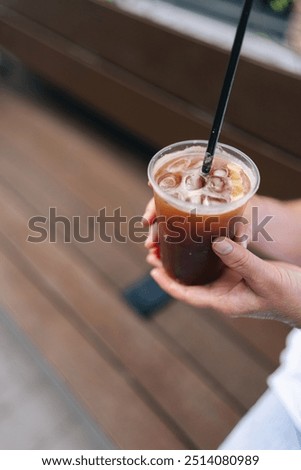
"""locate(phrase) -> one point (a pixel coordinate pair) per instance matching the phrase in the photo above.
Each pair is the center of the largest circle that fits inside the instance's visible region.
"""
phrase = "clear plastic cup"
(186, 230)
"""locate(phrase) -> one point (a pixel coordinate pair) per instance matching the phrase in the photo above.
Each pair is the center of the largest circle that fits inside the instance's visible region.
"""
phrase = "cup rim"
(197, 208)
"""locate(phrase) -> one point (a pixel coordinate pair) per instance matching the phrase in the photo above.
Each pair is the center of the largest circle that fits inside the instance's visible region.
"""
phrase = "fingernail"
(222, 246)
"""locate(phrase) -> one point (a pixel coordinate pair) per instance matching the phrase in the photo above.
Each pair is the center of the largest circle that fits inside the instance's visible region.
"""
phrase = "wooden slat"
(106, 394)
(195, 408)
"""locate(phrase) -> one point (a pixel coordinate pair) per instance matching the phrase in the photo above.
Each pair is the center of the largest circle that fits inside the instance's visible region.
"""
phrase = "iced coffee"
(193, 209)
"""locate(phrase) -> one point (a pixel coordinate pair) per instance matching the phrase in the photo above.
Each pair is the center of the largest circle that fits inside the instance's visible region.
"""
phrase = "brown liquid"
(185, 239)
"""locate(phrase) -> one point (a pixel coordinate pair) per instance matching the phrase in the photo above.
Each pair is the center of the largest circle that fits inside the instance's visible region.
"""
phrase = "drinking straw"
(227, 86)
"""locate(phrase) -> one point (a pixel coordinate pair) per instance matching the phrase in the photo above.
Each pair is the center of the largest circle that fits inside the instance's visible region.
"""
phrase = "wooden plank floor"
(179, 380)
(36, 410)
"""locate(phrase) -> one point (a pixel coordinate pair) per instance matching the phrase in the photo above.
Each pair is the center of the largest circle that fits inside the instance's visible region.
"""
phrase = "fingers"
(148, 219)
(258, 273)
(150, 213)
(199, 296)
(152, 238)
(153, 260)
(151, 242)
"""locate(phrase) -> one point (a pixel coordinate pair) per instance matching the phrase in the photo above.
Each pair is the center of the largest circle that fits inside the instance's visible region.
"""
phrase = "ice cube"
(193, 182)
(221, 172)
(216, 184)
(204, 200)
(195, 164)
(178, 165)
(169, 181)
(213, 201)
(195, 198)
(178, 195)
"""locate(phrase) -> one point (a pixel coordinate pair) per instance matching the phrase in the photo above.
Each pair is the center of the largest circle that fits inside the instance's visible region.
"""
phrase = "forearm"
(284, 229)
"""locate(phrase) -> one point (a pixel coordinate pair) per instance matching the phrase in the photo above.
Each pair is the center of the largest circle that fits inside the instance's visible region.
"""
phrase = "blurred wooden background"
(179, 380)
(183, 378)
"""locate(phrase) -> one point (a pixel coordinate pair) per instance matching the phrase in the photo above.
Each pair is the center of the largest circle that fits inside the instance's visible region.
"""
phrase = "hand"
(249, 286)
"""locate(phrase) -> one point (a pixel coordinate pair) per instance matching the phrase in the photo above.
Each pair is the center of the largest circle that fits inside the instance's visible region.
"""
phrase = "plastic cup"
(186, 230)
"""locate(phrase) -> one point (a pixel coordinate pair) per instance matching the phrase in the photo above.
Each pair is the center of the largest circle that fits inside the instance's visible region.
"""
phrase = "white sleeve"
(285, 382)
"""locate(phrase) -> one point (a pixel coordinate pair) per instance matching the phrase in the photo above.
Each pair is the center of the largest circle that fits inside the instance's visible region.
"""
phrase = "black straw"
(227, 86)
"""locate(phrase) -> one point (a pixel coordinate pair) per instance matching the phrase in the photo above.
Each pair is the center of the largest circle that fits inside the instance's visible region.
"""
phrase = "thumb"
(255, 271)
